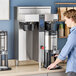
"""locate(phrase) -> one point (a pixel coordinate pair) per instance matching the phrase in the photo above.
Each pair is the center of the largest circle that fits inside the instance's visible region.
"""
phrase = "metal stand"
(3, 51)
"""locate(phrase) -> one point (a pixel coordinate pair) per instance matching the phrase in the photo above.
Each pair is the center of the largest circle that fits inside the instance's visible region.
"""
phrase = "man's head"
(70, 17)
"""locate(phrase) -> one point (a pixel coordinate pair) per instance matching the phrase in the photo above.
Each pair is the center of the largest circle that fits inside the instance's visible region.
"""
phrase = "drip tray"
(3, 68)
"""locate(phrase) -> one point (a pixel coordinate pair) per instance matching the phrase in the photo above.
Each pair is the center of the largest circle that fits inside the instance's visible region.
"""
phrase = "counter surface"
(28, 70)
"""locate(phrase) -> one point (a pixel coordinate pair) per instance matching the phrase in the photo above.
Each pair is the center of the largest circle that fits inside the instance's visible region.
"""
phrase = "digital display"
(41, 23)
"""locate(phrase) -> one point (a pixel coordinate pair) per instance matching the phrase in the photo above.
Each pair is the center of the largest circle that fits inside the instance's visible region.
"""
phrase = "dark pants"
(71, 74)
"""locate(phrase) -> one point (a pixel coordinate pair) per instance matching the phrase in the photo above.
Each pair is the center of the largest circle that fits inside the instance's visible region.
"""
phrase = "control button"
(42, 47)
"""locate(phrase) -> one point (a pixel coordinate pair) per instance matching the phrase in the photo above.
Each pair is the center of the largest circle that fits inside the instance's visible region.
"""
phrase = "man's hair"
(71, 14)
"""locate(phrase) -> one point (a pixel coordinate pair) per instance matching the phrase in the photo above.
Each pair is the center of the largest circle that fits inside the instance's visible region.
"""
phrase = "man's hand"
(51, 66)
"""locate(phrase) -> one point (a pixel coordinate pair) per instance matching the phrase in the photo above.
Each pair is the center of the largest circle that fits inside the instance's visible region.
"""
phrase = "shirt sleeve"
(68, 47)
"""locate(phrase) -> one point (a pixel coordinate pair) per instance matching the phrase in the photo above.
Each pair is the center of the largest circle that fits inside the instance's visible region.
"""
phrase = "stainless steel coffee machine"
(34, 37)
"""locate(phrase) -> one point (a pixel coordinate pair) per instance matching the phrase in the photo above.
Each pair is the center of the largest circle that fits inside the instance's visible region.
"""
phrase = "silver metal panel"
(47, 41)
(22, 55)
(32, 18)
(36, 43)
(22, 11)
(29, 45)
(51, 17)
(34, 10)
(35, 17)
(53, 42)
(41, 52)
(25, 45)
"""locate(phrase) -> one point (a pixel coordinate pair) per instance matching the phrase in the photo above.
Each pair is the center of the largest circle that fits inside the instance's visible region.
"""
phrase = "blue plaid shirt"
(70, 50)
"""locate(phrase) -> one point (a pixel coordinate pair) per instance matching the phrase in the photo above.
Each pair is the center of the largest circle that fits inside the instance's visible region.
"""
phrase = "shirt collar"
(73, 28)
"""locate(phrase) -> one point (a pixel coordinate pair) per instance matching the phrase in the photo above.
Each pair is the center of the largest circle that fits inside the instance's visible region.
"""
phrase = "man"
(70, 47)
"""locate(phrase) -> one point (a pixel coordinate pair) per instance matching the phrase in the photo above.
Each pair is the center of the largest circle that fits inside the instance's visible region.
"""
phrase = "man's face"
(68, 21)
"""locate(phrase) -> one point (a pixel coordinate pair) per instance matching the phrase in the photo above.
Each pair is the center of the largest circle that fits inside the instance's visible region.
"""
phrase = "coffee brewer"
(34, 37)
